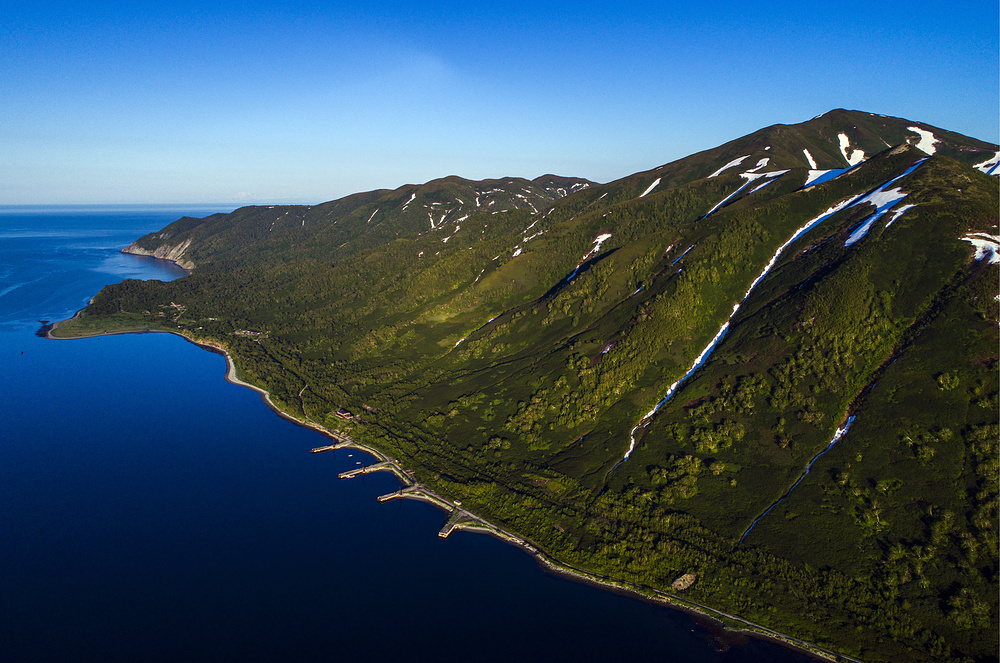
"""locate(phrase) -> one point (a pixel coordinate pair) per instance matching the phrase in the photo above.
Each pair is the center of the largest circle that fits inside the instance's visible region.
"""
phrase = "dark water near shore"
(153, 512)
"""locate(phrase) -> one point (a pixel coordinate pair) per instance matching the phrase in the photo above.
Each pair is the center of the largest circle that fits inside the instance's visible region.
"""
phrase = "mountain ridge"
(758, 144)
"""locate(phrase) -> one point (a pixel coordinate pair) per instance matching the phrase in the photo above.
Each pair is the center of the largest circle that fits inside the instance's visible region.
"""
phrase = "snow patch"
(681, 255)
(412, 197)
(760, 186)
(928, 143)
(516, 253)
(724, 200)
(819, 176)
(650, 187)
(673, 388)
(987, 246)
(854, 157)
(749, 177)
(839, 433)
(898, 213)
(990, 165)
(760, 164)
(600, 239)
(809, 158)
(798, 233)
(734, 162)
(372, 216)
(883, 199)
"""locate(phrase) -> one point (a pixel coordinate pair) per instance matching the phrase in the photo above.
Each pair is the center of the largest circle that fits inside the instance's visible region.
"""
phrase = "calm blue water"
(153, 512)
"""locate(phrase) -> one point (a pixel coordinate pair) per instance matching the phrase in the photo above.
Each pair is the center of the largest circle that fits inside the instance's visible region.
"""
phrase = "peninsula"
(758, 382)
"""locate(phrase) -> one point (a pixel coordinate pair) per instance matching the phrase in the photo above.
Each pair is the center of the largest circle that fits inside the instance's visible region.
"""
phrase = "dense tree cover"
(506, 359)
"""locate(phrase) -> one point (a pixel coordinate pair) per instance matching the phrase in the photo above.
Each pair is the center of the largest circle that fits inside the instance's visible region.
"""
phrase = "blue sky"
(307, 102)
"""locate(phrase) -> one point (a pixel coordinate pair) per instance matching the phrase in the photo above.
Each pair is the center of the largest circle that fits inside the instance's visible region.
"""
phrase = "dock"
(405, 491)
(458, 518)
(384, 466)
(457, 515)
(341, 442)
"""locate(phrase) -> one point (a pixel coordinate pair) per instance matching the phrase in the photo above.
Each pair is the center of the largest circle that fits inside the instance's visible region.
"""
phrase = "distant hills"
(364, 219)
(762, 377)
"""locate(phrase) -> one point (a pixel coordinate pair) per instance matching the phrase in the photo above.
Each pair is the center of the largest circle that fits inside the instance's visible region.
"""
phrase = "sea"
(151, 511)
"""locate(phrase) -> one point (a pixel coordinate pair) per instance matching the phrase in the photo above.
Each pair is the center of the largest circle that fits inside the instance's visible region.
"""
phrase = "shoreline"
(468, 521)
(134, 250)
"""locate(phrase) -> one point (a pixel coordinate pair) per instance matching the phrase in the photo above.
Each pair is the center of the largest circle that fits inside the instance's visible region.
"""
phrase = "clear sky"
(306, 102)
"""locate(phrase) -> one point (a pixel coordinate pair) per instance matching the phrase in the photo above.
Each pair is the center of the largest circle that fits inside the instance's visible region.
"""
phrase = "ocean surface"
(153, 512)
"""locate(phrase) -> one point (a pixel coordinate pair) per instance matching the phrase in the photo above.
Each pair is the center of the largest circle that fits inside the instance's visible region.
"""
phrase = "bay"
(154, 512)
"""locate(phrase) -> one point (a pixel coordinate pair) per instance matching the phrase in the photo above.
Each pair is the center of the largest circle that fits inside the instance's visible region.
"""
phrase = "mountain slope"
(644, 377)
(252, 234)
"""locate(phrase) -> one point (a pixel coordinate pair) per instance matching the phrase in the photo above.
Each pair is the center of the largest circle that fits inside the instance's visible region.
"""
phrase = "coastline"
(462, 519)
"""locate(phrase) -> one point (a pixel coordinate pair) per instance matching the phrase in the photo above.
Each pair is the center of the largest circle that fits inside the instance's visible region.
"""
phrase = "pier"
(384, 466)
(458, 518)
(340, 441)
(454, 520)
(329, 447)
(412, 492)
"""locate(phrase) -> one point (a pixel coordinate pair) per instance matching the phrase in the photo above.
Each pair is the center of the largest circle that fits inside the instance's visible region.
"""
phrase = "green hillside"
(636, 376)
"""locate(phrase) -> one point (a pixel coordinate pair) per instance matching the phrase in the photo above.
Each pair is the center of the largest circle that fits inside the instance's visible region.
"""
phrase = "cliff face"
(173, 253)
